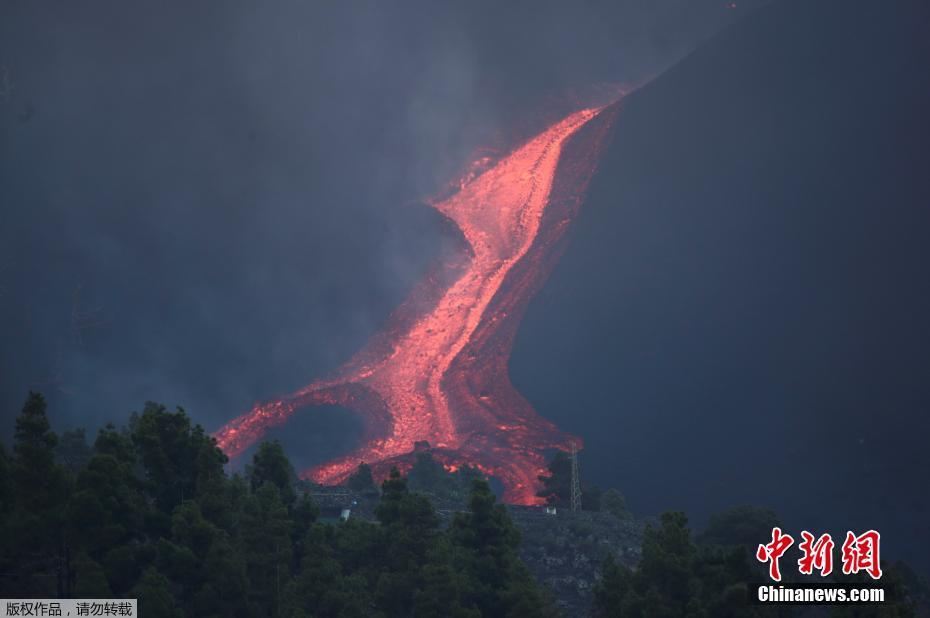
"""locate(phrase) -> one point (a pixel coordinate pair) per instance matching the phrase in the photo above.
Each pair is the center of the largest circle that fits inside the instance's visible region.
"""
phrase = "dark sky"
(233, 188)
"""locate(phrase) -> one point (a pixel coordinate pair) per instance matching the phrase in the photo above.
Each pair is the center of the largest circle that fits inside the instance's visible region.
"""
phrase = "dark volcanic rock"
(746, 280)
(565, 550)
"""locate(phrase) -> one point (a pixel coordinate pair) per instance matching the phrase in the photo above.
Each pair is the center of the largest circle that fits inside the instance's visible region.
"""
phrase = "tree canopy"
(149, 512)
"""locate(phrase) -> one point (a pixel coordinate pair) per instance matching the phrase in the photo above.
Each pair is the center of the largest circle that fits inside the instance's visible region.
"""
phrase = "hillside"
(741, 314)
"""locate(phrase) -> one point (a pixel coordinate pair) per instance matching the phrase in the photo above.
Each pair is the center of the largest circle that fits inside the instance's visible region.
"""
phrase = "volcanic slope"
(741, 314)
(437, 373)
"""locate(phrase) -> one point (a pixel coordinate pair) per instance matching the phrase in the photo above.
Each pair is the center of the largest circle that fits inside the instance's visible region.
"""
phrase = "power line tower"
(576, 481)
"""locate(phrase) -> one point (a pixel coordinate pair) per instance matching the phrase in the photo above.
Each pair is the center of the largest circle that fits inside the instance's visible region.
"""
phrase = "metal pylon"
(576, 481)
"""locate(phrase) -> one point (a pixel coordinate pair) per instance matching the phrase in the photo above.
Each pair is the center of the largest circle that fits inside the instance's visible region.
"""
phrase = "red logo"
(773, 551)
(860, 553)
(817, 554)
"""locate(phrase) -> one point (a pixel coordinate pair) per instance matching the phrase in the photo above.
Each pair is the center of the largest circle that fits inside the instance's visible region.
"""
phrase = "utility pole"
(576, 481)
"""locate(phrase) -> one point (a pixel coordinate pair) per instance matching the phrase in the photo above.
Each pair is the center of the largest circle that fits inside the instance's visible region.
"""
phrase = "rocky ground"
(564, 550)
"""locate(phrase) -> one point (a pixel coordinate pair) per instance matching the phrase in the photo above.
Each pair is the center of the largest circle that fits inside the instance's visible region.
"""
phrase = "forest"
(148, 511)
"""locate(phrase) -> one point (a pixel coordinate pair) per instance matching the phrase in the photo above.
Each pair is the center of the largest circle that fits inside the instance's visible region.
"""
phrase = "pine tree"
(428, 475)
(106, 516)
(90, 580)
(557, 485)
(265, 544)
(488, 542)
(409, 528)
(323, 588)
(37, 552)
(181, 461)
(37, 480)
(675, 577)
(6, 485)
(271, 465)
(108, 507)
(154, 594)
(613, 502)
(362, 480)
(72, 451)
(612, 590)
(303, 515)
(224, 592)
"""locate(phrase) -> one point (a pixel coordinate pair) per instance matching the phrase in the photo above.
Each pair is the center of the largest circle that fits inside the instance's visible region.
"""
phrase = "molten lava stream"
(438, 373)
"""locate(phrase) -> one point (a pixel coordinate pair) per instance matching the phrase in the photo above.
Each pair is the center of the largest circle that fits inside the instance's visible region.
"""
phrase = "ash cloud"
(235, 186)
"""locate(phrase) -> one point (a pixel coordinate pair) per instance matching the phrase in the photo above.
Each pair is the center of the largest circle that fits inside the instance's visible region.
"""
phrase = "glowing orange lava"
(438, 370)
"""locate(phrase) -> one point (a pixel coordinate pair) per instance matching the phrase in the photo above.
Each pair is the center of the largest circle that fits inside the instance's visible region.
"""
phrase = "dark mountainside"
(763, 267)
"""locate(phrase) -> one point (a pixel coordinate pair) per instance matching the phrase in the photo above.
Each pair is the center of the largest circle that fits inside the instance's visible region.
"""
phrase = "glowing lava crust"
(438, 371)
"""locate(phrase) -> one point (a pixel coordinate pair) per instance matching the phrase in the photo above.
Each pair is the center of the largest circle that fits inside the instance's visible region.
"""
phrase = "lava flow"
(437, 372)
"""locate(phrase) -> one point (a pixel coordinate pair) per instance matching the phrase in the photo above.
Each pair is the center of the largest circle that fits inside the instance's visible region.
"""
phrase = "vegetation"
(149, 512)
(362, 481)
(557, 485)
(429, 476)
(678, 577)
(557, 490)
